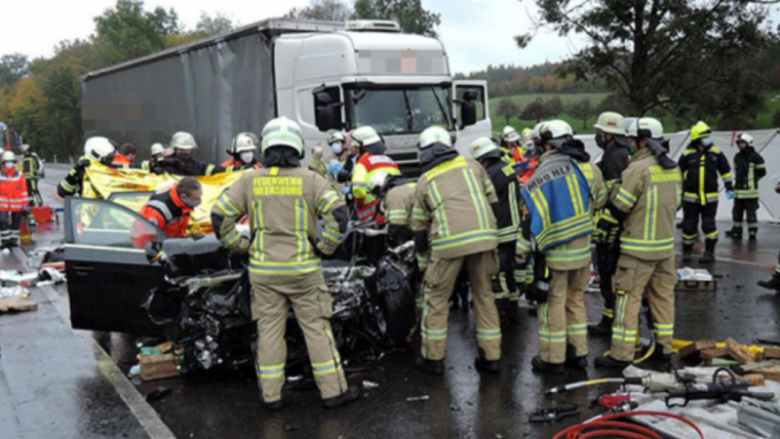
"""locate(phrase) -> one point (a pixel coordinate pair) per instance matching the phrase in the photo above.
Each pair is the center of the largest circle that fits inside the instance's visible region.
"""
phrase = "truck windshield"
(400, 110)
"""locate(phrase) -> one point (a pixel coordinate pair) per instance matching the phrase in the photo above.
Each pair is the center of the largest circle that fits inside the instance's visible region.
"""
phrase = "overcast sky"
(475, 32)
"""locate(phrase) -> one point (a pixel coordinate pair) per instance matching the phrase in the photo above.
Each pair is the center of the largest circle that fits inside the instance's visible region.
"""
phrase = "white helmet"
(282, 132)
(8, 156)
(481, 147)
(745, 137)
(25, 147)
(556, 133)
(97, 148)
(378, 181)
(433, 135)
(610, 123)
(510, 135)
(336, 136)
(648, 129)
(158, 148)
(244, 142)
(365, 136)
(183, 140)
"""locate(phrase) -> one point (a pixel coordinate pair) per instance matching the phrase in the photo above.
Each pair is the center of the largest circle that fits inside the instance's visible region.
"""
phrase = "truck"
(10, 140)
(324, 75)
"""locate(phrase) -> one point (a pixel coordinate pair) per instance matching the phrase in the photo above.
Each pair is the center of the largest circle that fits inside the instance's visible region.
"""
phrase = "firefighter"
(452, 218)
(285, 203)
(32, 167)
(170, 210)
(750, 168)
(610, 137)
(507, 212)
(372, 160)
(13, 200)
(335, 162)
(242, 153)
(157, 154)
(182, 162)
(95, 148)
(645, 202)
(701, 164)
(561, 197)
(510, 145)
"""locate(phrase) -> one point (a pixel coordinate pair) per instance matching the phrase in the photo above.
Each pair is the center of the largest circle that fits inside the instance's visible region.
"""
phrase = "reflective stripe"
(449, 165)
(422, 262)
(566, 255)
(577, 329)
(626, 197)
(645, 245)
(162, 208)
(271, 372)
(327, 201)
(284, 268)
(396, 214)
(664, 329)
(523, 245)
(326, 367)
(712, 235)
(651, 213)
(439, 211)
(259, 226)
(332, 235)
(227, 207)
(477, 198)
(231, 238)
(464, 238)
(702, 197)
(301, 229)
(420, 215)
(433, 334)
(488, 334)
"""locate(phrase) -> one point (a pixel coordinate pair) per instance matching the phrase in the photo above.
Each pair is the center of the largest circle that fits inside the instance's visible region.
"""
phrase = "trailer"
(324, 75)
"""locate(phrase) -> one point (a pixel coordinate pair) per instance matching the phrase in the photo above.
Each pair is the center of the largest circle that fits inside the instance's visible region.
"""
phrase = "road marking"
(143, 412)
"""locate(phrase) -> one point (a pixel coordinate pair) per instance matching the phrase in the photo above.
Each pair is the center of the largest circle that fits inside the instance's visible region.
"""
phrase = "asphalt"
(56, 382)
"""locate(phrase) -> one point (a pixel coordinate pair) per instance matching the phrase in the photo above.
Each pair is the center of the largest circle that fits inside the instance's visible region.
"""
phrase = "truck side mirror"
(327, 110)
(468, 108)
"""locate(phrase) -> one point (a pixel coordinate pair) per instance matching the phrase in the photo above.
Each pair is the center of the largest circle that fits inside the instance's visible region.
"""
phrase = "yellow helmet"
(700, 131)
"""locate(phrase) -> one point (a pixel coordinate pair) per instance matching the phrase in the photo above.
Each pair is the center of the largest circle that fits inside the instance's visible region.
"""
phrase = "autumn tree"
(582, 110)
(507, 108)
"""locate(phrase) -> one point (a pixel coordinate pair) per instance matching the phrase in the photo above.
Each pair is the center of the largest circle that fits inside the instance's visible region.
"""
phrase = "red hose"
(606, 426)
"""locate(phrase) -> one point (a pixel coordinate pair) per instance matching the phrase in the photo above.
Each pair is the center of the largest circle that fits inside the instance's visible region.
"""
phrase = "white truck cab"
(371, 74)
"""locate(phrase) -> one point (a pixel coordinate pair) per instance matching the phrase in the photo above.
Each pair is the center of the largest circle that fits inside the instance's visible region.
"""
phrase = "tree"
(582, 110)
(213, 25)
(535, 110)
(508, 109)
(554, 106)
(663, 53)
(13, 67)
(328, 10)
(128, 31)
(409, 14)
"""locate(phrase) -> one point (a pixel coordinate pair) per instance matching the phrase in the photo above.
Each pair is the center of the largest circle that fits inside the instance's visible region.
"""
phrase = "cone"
(24, 233)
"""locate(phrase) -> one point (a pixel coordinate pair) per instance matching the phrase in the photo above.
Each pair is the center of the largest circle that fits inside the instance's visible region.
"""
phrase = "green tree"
(327, 10)
(61, 88)
(13, 67)
(507, 108)
(535, 110)
(582, 110)
(664, 53)
(409, 14)
(129, 31)
(214, 24)
(554, 106)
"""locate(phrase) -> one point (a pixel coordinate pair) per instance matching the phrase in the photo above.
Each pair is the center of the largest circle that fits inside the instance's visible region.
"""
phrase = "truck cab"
(371, 74)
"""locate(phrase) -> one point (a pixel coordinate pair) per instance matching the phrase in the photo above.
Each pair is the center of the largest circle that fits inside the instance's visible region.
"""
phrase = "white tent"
(767, 143)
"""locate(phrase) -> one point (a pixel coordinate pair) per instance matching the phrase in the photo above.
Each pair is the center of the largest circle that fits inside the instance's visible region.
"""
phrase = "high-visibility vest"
(368, 165)
(13, 190)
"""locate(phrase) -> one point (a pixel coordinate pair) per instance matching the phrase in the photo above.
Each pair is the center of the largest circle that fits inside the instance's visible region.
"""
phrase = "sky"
(475, 33)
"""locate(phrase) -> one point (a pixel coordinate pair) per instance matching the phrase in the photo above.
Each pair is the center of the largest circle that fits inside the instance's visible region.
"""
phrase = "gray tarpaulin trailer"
(213, 88)
(323, 75)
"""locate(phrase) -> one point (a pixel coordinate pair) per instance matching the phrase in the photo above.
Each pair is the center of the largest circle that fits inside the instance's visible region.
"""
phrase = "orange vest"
(13, 190)
(120, 160)
(168, 212)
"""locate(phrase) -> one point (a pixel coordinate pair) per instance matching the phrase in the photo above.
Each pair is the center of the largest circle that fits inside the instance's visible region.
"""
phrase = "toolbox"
(696, 285)
(42, 214)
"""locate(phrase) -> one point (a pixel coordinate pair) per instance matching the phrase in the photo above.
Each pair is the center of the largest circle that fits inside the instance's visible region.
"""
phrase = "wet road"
(58, 385)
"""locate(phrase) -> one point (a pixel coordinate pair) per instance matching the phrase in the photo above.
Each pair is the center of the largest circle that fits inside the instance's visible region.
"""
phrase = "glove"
(603, 229)
(335, 167)
(82, 164)
(730, 195)
(346, 190)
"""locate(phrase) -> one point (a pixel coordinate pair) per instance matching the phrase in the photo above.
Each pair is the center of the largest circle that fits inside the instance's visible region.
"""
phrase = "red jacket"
(121, 160)
(168, 212)
(13, 190)
(238, 165)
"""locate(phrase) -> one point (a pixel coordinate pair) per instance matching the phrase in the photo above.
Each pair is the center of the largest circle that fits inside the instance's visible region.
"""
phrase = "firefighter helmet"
(482, 147)
(282, 132)
(745, 137)
(97, 148)
(700, 131)
(556, 133)
(8, 156)
(365, 136)
(244, 142)
(433, 135)
(158, 148)
(510, 135)
(183, 140)
(610, 123)
(336, 136)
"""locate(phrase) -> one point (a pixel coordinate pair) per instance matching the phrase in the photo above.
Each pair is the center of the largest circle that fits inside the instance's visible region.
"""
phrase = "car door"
(108, 274)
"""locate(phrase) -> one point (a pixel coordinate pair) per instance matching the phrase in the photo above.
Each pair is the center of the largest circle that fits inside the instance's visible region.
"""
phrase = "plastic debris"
(370, 385)
(134, 371)
(17, 291)
(418, 398)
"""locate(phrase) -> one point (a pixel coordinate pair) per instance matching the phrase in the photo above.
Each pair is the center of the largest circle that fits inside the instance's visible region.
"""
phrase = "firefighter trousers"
(634, 277)
(563, 319)
(10, 223)
(691, 214)
(272, 297)
(440, 278)
(745, 207)
(34, 193)
(606, 260)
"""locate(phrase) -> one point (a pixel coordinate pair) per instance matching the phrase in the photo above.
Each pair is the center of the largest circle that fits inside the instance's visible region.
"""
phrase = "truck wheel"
(397, 303)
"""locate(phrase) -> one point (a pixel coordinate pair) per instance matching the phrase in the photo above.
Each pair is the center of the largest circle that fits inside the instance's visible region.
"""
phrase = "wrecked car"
(198, 294)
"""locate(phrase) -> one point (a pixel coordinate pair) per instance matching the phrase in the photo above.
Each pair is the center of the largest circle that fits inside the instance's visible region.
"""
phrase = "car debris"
(418, 398)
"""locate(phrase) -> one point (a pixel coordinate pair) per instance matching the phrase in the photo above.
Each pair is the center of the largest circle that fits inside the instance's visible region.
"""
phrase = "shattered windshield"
(401, 110)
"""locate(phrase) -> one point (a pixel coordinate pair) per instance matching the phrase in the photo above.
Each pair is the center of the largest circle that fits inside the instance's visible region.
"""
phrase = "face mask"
(600, 141)
(9, 165)
(183, 154)
(192, 203)
(336, 148)
(247, 157)
(706, 142)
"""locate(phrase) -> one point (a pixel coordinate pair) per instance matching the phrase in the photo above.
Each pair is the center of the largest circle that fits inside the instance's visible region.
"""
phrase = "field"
(764, 120)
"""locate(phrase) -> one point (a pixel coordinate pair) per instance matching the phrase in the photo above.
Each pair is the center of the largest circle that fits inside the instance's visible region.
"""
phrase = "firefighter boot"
(542, 366)
(573, 361)
(602, 328)
(709, 252)
(433, 367)
(687, 252)
(352, 393)
(752, 234)
(485, 365)
(771, 284)
(735, 233)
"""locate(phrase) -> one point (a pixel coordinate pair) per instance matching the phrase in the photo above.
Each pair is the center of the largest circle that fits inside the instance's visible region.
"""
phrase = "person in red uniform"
(373, 160)
(170, 211)
(243, 153)
(13, 200)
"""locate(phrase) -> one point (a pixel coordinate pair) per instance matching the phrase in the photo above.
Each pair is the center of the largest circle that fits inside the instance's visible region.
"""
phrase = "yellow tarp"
(101, 181)
(679, 344)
